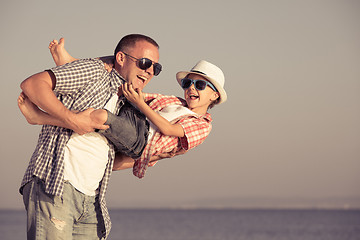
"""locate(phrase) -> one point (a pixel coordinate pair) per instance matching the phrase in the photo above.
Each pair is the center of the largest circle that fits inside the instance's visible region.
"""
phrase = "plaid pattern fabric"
(196, 129)
(80, 85)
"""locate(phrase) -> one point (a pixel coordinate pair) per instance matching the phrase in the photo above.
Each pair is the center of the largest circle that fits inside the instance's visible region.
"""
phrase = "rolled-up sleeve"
(196, 130)
(74, 76)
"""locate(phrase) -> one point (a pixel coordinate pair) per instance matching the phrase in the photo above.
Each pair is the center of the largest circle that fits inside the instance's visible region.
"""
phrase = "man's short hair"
(130, 40)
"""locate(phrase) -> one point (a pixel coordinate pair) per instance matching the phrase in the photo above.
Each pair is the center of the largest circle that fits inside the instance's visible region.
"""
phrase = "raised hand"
(133, 95)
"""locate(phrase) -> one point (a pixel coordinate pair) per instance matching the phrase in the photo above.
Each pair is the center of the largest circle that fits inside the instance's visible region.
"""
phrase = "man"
(65, 183)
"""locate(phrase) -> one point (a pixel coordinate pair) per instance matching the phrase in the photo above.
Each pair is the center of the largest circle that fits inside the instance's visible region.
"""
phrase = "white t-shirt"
(86, 157)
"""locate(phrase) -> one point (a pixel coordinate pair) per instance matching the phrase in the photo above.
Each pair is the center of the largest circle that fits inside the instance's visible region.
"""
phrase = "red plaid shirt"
(196, 129)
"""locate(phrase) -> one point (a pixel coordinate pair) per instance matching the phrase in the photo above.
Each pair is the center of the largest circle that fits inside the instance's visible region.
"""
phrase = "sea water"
(211, 224)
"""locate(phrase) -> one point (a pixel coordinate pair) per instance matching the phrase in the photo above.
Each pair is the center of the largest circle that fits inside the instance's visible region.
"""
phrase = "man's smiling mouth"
(142, 78)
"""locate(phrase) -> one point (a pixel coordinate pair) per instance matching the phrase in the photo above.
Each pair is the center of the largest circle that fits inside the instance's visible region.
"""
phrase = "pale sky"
(289, 134)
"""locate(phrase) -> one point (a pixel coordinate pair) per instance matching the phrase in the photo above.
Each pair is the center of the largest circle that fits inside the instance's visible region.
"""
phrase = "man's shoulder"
(93, 62)
(80, 64)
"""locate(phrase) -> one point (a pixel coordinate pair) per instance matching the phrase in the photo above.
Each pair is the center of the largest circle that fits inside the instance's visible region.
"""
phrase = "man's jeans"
(74, 216)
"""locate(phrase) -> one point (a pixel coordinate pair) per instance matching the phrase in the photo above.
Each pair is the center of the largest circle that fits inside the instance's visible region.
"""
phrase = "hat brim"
(221, 90)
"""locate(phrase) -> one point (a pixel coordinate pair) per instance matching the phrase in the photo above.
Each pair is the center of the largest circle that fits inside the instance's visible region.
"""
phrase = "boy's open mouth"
(193, 97)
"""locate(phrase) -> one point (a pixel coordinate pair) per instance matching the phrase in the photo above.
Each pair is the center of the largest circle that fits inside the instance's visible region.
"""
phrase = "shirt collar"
(116, 80)
(207, 117)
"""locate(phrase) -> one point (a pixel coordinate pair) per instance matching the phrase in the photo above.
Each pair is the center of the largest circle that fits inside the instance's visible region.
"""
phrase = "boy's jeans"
(75, 216)
(128, 131)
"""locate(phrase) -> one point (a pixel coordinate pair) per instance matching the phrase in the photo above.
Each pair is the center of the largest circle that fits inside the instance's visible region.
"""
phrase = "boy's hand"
(171, 154)
(133, 95)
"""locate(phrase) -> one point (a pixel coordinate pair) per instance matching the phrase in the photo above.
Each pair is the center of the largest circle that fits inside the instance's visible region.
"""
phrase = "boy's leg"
(36, 116)
(99, 116)
(59, 53)
(30, 111)
(127, 131)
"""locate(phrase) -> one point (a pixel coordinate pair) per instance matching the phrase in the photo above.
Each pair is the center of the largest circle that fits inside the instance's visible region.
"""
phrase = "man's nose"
(150, 70)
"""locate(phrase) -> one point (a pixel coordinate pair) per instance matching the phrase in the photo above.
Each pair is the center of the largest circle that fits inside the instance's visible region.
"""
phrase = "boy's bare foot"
(29, 109)
(58, 52)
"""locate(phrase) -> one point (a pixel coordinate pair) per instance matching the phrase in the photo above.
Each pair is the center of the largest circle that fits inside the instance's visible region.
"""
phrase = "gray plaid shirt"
(80, 85)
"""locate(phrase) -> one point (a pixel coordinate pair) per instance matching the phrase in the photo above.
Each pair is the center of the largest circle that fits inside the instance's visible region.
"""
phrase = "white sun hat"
(209, 71)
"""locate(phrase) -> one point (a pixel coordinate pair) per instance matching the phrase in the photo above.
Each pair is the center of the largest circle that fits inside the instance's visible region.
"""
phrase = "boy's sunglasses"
(199, 84)
(145, 63)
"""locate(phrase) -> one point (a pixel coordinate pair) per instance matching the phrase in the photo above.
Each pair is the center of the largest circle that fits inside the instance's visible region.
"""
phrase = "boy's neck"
(199, 111)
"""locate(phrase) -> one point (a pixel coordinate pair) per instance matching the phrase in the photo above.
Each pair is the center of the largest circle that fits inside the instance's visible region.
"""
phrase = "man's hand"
(82, 123)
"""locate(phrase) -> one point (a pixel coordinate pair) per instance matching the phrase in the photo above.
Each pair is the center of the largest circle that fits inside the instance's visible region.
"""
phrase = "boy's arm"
(164, 126)
(39, 89)
(165, 155)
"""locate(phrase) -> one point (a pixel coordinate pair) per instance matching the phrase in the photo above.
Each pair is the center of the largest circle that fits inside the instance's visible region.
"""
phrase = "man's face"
(129, 69)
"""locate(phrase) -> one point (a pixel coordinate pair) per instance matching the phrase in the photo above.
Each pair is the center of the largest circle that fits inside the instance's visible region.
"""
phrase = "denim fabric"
(75, 216)
(128, 131)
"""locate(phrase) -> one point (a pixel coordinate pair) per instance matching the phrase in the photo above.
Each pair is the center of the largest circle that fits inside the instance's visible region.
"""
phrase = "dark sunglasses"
(199, 84)
(145, 63)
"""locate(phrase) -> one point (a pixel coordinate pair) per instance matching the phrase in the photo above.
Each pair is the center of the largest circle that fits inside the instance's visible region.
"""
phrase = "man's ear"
(120, 58)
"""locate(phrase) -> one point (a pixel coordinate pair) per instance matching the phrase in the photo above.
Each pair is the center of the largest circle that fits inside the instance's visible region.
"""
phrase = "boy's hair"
(130, 40)
(213, 103)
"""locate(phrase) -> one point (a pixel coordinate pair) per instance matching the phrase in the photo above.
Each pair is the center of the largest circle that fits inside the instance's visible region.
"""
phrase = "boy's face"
(199, 101)
(129, 69)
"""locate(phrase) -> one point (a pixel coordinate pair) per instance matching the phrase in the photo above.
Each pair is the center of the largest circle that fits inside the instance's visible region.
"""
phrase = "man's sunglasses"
(199, 84)
(145, 63)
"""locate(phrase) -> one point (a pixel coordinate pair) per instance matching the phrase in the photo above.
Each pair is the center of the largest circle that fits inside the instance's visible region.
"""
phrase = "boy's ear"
(215, 96)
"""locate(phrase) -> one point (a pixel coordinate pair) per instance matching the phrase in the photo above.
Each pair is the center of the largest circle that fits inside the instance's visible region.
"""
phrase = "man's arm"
(39, 89)
(124, 162)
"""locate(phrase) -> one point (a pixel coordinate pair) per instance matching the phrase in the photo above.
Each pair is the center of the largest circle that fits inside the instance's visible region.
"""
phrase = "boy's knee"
(99, 116)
